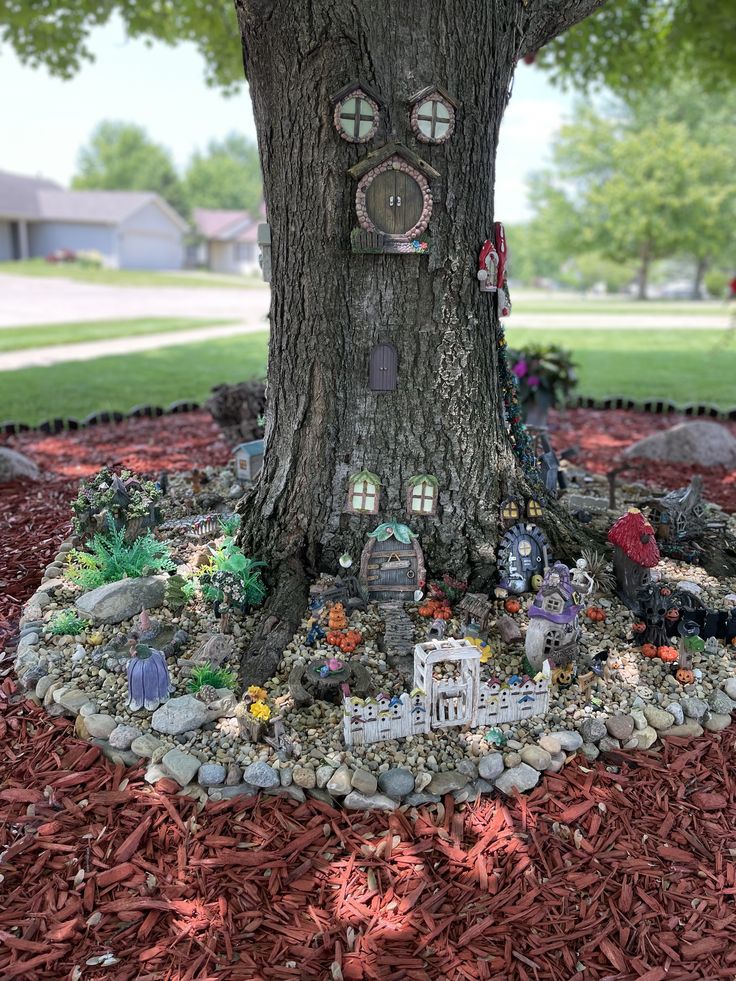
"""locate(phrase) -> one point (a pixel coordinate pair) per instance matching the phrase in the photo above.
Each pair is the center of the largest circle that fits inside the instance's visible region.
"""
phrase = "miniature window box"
(433, 114)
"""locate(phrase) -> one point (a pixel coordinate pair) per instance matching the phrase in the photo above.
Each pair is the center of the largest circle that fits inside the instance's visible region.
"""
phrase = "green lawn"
(45, 335)
(683, 366)
(127, 277)
(680, 365)
(76, 388)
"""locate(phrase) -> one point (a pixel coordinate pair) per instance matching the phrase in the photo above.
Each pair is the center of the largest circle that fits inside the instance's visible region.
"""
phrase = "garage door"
(149, 250)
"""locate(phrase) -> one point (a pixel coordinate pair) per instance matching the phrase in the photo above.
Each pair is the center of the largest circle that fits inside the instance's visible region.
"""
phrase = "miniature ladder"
(398, 633)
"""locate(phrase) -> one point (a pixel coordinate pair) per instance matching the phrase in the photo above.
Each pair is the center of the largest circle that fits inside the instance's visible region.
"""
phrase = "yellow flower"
(257, 694)
(259, 710)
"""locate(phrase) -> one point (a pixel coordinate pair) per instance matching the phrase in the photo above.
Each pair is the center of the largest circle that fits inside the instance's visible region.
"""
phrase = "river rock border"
(518, 768)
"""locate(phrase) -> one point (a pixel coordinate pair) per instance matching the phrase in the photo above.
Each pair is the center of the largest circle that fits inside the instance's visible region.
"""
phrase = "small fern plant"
(67, 623)
(109, 558)
(205, 675)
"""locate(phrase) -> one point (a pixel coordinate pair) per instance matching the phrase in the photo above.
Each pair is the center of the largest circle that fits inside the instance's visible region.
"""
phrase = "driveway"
(26, 300)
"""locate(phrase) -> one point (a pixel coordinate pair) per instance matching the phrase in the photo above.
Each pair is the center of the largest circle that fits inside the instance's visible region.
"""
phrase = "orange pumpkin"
(685, 676)
(668, 654)
(512, 605)
(596, 614)
(648, 650)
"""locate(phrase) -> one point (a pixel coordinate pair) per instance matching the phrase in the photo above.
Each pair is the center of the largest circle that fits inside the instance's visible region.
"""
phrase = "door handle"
(391, 201)
(398, 201)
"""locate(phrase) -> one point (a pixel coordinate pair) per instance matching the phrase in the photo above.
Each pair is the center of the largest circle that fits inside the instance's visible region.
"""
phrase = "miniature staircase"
(398, 637)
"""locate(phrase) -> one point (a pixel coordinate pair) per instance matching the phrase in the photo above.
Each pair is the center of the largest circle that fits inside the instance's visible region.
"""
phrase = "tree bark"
(701, 268)
(329, 307)
(642, 277)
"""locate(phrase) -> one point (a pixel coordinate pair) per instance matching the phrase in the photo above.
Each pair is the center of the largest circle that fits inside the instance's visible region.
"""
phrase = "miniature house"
(393, 201)
(392, 564)
(523, 557)
(553, 620)
(249, 459)
(477, 609)
(681, 515)
(635, 553)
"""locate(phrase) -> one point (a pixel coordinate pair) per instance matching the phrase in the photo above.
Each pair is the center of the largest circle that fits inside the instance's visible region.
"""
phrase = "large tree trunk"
(642, 276)
(701, 268)
(330, 307)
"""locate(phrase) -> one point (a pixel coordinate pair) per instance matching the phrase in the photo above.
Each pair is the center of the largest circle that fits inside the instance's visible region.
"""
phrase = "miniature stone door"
(392, 570)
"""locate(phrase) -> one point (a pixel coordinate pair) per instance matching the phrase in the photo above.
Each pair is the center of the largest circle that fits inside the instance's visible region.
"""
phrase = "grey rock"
(715, 722)
(124, 756)
(14, 466)
(28, 640)
(355, 801)
(690, 730)
(396, 782)
(304, 776)
(181, 766)
(73, 699)
(468, 767)
(154, 773)
(609, 745)
(447, 781)
(590, 751)
(593, 730)
(646, 737)
(512, 759)
(123, 735)
(657, 718)
(365, 782)
(323, 773)
(234, 790)
(418, 798)
(483, 786)
(522, 777)
(620, 726)
(694, 708)
(292, 791)
(261, 775)
(118, 601)
(42, 686)
(675, 710)
(569, 741)
(537, 757)
(688, 586)
(286, 776)
(340, 783)
(551, 744)
(145, 745)
(730, 688)
(706, 444)
(100, 726)
(422, 780)
(182, 714)
(319, 793)
(211, 774)
(508, 630)
(490, 766)
(89, 708)
(234, 775)
(720, 703)
(557, 761)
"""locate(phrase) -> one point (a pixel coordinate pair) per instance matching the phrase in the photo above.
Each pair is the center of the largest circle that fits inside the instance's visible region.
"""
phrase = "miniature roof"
(352, 86)
(563, 587)
(475, 603)
(683, 498)
(633, 534)
(252, 448)
(389, 150)
(428, 90)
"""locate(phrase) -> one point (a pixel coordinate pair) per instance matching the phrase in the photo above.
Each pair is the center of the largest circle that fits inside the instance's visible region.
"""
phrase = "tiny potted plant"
(545, 375)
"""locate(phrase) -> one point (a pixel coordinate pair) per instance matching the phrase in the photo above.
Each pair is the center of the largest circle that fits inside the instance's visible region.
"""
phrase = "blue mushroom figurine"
(148, 678)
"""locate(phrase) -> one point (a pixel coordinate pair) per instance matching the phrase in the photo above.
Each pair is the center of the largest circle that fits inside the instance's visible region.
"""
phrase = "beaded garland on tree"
(520, 439)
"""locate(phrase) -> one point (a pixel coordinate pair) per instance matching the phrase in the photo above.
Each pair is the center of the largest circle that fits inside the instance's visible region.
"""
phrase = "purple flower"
(532, 381)
(520, 368)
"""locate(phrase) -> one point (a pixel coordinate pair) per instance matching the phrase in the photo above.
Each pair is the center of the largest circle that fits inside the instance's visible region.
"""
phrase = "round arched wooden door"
(394, 202)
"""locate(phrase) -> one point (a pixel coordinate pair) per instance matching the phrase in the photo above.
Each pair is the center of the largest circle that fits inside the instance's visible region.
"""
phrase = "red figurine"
(488, 267)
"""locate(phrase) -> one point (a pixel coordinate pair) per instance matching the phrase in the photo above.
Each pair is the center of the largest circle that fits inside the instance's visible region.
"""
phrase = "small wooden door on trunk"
(392, 570)
(382, 374)
(394, 202)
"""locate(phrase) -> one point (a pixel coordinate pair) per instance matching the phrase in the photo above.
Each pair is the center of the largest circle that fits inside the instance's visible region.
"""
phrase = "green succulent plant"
(109, 557)
(206, 674)
(67, 623)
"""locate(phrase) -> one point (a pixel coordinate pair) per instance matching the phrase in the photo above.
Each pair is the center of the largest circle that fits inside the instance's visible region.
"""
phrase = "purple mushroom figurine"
(148, 678)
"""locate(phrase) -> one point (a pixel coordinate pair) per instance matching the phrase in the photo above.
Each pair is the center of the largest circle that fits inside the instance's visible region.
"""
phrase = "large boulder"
(118, 601)
(14, 465)
(184, 714)
(706, 444)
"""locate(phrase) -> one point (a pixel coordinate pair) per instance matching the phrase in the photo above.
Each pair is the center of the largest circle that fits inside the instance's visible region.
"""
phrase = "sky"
(46, 120)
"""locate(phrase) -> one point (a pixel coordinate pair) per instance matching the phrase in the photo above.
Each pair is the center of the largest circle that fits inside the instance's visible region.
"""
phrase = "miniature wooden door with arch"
(383, 368)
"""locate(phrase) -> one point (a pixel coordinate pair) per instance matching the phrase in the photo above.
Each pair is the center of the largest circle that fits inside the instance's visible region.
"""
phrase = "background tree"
(228, 175)
(121, 157)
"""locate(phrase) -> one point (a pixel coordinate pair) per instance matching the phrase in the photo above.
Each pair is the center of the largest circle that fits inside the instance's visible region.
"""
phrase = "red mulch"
(637, 882)
(602, 435)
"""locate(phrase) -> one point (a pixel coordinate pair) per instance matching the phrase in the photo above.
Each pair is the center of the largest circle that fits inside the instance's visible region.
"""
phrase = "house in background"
(129, 229)
(227, 241)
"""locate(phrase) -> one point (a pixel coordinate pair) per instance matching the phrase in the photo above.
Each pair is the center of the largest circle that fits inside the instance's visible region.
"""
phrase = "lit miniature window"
(534, 509)
(554, 604)
(365, 490)
(423, 497)
(356, 117)
(525, 548)
(510, 511)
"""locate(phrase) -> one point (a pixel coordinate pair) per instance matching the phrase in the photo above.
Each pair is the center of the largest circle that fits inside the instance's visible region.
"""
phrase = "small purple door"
(382, 375)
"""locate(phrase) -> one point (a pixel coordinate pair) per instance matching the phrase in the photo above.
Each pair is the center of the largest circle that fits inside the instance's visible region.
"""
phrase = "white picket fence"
(373, 720)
